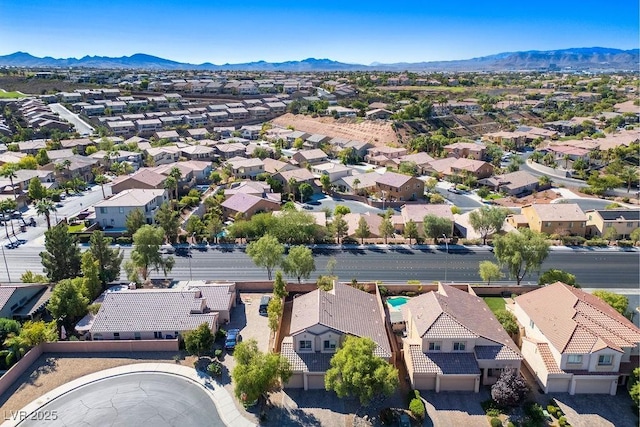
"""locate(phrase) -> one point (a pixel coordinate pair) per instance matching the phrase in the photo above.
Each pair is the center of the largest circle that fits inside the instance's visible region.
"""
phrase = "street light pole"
(5, 264)
(446, 260)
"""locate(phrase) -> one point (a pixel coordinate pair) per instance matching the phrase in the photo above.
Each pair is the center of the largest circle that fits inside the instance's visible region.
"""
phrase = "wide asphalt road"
(593, 269)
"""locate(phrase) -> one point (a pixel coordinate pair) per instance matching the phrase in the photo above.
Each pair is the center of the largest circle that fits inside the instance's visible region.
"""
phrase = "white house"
(112, 212)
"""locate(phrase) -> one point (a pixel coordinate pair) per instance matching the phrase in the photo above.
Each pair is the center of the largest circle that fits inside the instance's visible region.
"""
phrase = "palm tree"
(170, 183)
(45, 207)
(102, 180)
(629, 175)
(544, 181)
(7, 206)
(176, 174)
(536, 156)
(566, 159)
(15, 348)
(356, 182)
(9, 171)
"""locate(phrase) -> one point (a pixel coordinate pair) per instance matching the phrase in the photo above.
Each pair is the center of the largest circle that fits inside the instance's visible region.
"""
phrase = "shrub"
(417, 408)
(511, 424)
(413, 394)
(218, 353)
(510, 389)
(597, 242)
(123, 240)
(383, 291)
(493, 412)
(573, 240)
(562, 421)
(625, 243)
(214, 369)
(413, 282)
(534, 412)
(495, 422)
(177, 358)
(492, 408)
(221, 333)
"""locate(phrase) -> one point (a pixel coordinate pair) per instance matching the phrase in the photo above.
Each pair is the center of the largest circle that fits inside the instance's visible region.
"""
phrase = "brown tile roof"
(558, 212)
(417, 212)
(305, 362)
(443, 363)
(344, 309)
(145, 176)
(300, 174)
(393, 179)
(579, 322)
(549, 362)
(468, 311)
(242, 202)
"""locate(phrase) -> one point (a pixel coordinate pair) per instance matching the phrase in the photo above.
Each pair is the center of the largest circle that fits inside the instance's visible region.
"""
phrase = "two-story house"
(320, 321)
(624, 221)
(244, 168)
(556, 218)
(112, 212)
(578, 345)
(310, 157)
(393, 186)
(467, 150)
(454, 342)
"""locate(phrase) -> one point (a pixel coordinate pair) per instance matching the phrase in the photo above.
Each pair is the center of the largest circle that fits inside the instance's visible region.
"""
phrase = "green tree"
(146, 252)
(8, 170)
(279, 286)
(214, 227)
(61, 258)
(176, 174)
(299, 263)
(15, 347)
(635, 235)
(326, 183)
(30, 277)
(610, 233)
(134, 220)
(487, 221)
(45, 207)
(634, 388)
(109, 259)
(620, 303)
(386, 229)
(356, 372)
(42, 157)
(339, 227)
(266, 253)
(274, 312)
(408, 168)
(521, 252)
(200, 340)
(341, 210)
(169, 221)
(36, 190)
(629, 175)
(67, 302)
(195, 227)
(362, 230)
(544, 181)
(490, 271)
(91, 285)
(411, 230)
(507, 320)
(435, 227)
(7, 327)
(101, 180)
(306, 191)
(553, 275)
(256, 373)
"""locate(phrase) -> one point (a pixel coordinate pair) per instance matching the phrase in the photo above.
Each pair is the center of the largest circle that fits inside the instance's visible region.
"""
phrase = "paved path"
(158, 394)
(82, 127)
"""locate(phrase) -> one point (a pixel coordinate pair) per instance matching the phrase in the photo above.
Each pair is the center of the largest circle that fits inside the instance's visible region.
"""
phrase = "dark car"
(233, 338)
(264, 303)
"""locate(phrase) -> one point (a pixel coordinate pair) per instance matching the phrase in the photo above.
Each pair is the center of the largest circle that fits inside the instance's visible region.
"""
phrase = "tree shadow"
(43, 365)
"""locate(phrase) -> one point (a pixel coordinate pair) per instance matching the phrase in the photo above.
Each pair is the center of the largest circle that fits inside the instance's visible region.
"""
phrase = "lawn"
(4, 94)
(494, 196)
(495, 303)
(76, 228)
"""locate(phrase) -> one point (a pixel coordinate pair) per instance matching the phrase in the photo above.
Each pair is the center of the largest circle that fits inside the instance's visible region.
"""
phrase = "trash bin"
(23, 228)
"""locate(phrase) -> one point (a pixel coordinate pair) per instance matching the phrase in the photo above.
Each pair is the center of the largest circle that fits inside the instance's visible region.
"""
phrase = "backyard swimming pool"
(397, 302)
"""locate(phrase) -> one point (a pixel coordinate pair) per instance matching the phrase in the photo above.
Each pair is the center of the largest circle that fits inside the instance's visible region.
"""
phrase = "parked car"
(404, 420)
(454, 190)
(264, 303)
(167, 249)
(233, 338)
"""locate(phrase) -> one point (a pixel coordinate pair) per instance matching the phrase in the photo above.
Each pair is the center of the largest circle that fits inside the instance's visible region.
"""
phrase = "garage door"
(593, 386)
(424, 382)
(315, 382)
(296, 381)
(457, 383)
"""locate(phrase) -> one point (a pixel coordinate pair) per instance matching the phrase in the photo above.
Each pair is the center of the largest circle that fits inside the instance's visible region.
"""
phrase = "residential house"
(200, 170)
(417, 212)
(334, 171)
(291, 138)
(220, 296)
(255, 188)
(578, 344)
(320, 322)
(230, 150)
(378, 114)
(468, 150)
(624, 221)
(143, 179)
(453, 166)
(148, 127)
(187, 178)
(454, 342)
(380, 155)
(244, 168)
(273, 166)
(112, 212)
(247, 205)
(79, 144)
(310, 157)
(168, 154)
(300, 176)
(362, 183)
(373, 222)
(251, 132)
(517, 183)
(556, 218)
(77, 167)
(107, 159)
(197, 134)
(124, 128)
(136, 314)
(169, 135)
(421, 160)
(24, 301)
(316, 140)
(199, 152)
(359, 147)
(393, 186)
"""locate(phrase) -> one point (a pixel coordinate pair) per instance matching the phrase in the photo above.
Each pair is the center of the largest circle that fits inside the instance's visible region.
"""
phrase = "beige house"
(623, 220)
(467, 150)
(112, 212)
(454, 342)
(416, 213)
(247, 205)
(320, 321)
(556, 218)
(581, 345)
(393, 186)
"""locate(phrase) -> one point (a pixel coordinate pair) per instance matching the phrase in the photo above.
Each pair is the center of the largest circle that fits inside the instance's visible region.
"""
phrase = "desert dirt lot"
(373, 132)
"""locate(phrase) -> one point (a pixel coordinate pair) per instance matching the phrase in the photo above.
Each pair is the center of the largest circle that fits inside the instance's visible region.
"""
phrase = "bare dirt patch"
(543, 197)
(373, 132)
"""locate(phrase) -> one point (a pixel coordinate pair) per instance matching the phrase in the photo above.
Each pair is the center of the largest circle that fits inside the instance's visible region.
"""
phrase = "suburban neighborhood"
(326, 248)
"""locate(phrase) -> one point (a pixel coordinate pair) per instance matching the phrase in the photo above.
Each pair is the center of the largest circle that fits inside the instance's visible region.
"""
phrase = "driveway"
(330, 203)
(597, 410)
(452, 408)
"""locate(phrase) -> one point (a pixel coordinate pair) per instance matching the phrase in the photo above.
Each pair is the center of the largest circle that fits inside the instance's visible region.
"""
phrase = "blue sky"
(352, 31)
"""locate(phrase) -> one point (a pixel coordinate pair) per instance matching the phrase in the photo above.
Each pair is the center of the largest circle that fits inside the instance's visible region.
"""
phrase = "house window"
(103, 210)
(121, 210)
(605, 360)
(629, 224)
(531, 324)
(329, 345)
(459, 346)
(116, 335)
(136, 335)
(304, 345)
(435, 346)
(574, 359)
(157, 335)
(570, 225)
(547, 224)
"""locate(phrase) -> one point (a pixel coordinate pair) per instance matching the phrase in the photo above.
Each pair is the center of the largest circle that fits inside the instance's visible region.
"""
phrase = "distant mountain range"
(593, 58)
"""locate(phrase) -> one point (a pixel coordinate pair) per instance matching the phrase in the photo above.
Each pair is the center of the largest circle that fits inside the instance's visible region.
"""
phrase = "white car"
(167, 249)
